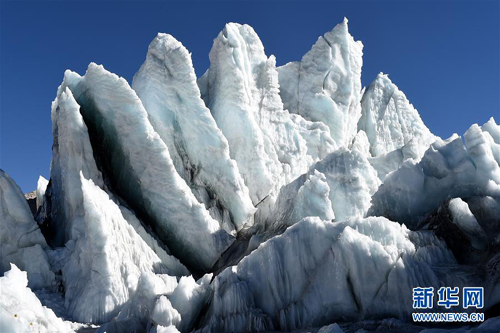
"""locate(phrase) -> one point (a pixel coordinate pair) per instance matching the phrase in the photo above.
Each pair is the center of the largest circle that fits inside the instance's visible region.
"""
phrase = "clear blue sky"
(444, 55)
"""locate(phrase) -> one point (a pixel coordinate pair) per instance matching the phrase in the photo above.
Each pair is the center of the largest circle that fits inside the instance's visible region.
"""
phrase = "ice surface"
(345, 180)
(326, 84)
(141, 304)
(40, 190)
(317, 272)
(71, 154)
(241, 89)
(448, 169)
(95, 287)
(486, 211)
(164, 314)
(182, 307)
(166, 84)
(465, 220)
(20, 309)
(390, 121)
(106, 260)
(333, 328)
(140, 169)
(164, 329)
(306, 196)
(21, 241)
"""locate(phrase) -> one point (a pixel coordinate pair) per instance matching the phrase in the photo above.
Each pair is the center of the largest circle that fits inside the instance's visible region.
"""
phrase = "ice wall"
(166, 85)
(141, 171)
(326, 84)
(21, 242)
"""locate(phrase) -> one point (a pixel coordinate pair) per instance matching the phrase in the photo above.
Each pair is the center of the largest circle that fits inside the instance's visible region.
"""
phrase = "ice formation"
(21, 241)
(166, 84)
(318, 272)
(106, 262)
(254, 198)
(142, 169)
(390, 121)
(325, 85)
(467, 223)
(241, 89)
(336, 188)
(20, 309)
(40, 190)
(448, 169)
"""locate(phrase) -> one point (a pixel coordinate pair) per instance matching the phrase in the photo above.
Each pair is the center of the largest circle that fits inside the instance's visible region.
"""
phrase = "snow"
(134, 151)
(21, 242)
(189, 298)
(166, 85)
(164, 314)
(270, 146)
(40, 191)
(448, 169)
(326, 84)
(390, 121)
(20, 309)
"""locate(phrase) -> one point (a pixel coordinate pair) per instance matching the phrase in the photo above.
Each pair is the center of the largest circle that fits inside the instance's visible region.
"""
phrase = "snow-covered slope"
(166, 84)
(21, 241)
(326, 84)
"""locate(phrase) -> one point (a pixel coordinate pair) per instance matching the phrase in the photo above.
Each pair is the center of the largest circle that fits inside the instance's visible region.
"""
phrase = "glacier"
(318, 272)
(166, 84)
(255, 197)
(389, 120)
(22, 242)
(449, 168)
(325, 85)
(152, 185)
(20, 309)
(271, 146)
